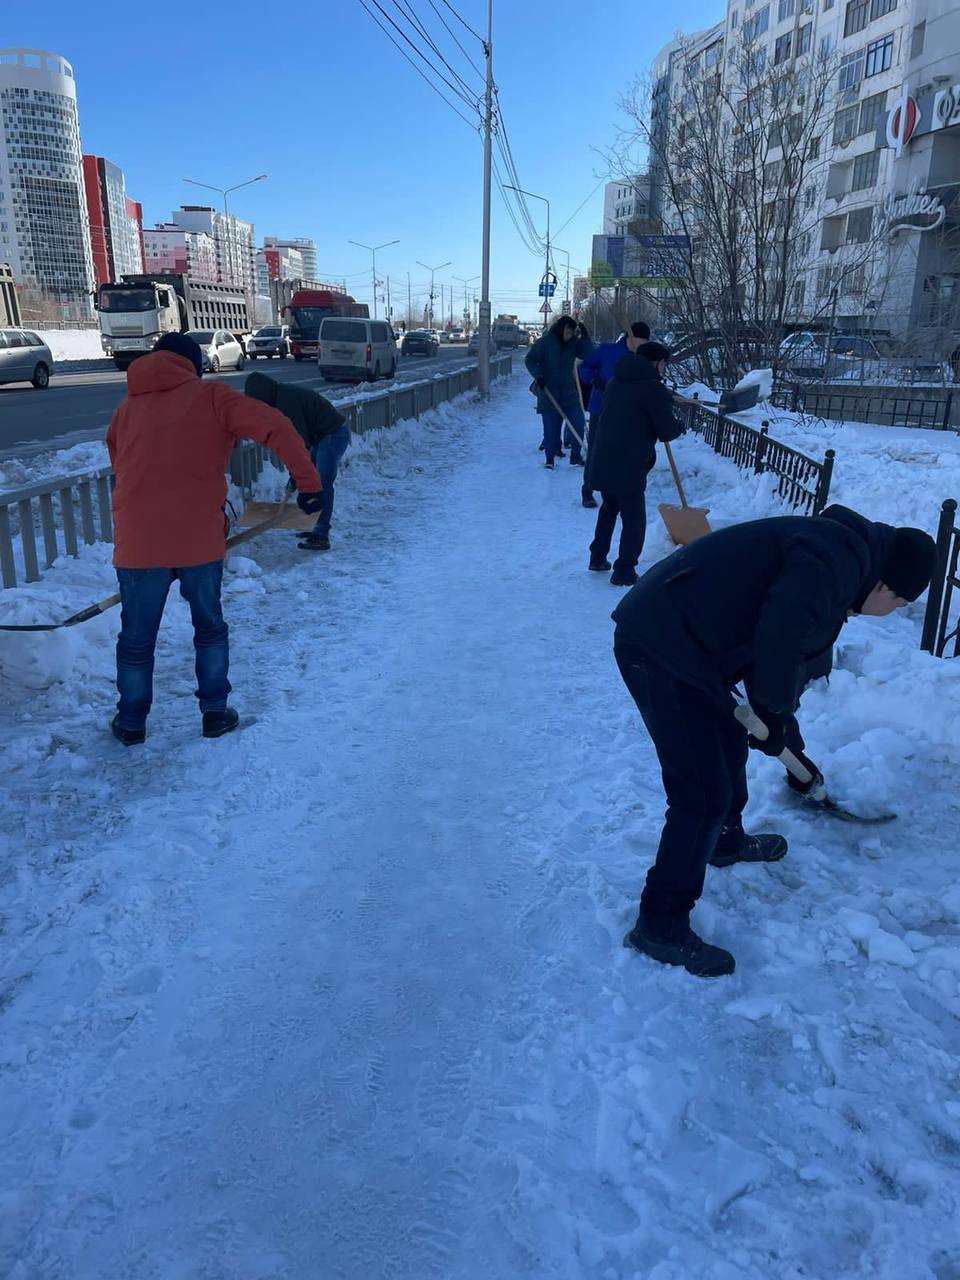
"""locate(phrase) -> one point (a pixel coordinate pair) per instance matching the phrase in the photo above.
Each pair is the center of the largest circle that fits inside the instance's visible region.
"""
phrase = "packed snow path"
(344, 996)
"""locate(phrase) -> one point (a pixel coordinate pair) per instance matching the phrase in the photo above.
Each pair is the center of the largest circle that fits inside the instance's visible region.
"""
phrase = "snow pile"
(350, 985)
(20, 474)
(760, 378)
(700, 391)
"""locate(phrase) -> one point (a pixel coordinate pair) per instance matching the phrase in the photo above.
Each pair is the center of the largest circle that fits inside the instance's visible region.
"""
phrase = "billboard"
(642, 261)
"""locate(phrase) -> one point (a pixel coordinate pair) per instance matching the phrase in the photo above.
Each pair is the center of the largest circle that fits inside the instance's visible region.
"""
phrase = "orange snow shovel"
(685, 524)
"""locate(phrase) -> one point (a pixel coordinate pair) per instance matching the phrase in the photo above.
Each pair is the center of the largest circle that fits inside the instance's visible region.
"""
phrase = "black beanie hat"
(179, 344)
(654, 351)
(909, 564)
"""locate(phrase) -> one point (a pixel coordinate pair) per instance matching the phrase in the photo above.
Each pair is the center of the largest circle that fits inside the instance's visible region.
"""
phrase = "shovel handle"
(549, 394)
(753, 724)
(676, 474)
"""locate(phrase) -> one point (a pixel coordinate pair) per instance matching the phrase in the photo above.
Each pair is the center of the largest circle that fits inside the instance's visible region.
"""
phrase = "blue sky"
(355, 144)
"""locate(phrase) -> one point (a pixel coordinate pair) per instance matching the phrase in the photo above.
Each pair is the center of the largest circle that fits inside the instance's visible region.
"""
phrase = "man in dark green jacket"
(325, 433)
(552, 362)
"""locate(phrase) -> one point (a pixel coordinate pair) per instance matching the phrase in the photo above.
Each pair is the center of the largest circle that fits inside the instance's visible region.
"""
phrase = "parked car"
(355, 348)
(420, 342)
(25, 357)
(220, 349)
(272, 340)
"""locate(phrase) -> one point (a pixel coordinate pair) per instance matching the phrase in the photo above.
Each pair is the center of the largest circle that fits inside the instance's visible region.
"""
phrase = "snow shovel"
(817, 796)
(288, 516)
(549, 394)
(685, 524)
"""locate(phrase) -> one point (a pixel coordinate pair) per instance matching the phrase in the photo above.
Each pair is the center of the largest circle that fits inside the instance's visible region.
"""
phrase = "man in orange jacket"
(170, 442)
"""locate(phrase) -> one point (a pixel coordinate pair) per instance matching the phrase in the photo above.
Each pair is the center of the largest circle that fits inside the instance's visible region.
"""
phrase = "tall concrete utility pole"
(483, 353)
(373, 249)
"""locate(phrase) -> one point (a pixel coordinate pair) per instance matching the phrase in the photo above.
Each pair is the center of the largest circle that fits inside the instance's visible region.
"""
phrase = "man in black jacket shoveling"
(325, 433)
(753, 603)
(635, 414)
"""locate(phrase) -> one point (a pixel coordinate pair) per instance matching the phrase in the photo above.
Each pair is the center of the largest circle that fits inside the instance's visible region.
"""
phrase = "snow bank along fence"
(936, 620)
(802, 481)
(934, 408)
(43, 521)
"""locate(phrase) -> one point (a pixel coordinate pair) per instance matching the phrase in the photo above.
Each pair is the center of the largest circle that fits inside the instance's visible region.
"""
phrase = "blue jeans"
(326, 457)
(552, 425)
(143, 594)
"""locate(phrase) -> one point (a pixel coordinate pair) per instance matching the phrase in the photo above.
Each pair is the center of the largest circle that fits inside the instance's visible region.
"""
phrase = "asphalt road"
(77, 406)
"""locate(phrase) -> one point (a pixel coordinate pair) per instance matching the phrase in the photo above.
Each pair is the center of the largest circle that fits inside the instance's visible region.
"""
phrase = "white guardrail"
(43, 521)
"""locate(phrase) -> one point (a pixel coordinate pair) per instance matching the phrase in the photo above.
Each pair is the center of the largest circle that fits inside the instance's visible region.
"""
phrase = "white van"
(355, 348)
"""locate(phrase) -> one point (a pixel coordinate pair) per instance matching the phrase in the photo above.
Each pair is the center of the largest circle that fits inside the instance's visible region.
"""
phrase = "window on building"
(916, 40)
(827, 4)
(858, 15)
(826, 46)
(775, 136)
(831, 234)
(879, 56)
(772, 173)
(733, 20)
(851, 70)
(879, 7)
(865, 171)
(786, 9)
(781, 49)
(872, 112)
(757, 25)
(845, 124)
(799, 289)
(859, 225)
(813, 150)
(809, 195)
(804, 39)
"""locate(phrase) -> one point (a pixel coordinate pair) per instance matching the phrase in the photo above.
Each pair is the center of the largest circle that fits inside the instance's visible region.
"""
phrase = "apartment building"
(168, 248)
(116, 221)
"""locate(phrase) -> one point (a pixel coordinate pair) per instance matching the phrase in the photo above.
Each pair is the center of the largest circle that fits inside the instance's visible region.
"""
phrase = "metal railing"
(946, 578)
(40, 522)
(801, 481)
(885, 407)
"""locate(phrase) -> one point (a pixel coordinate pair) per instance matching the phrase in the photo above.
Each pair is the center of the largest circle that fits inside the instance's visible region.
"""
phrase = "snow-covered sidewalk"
(343, 996)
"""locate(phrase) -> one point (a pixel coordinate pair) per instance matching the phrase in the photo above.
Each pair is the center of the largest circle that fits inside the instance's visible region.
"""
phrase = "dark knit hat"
(654, 351)
(909, 563)
(640, 329)
(179, 344)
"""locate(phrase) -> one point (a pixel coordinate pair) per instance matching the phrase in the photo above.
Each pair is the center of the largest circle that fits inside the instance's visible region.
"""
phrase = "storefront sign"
(946, 108)
(902, 120)
(916, 115)
(916, 211)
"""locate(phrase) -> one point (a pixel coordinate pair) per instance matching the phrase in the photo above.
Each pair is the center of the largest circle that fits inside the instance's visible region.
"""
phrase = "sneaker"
(735, 845)
(577, 462)
(690, 953)
(598, 566)
(549, 464)
(588, 500)
(624, 578)
(217, 723)
(129, 737)
(315, 542)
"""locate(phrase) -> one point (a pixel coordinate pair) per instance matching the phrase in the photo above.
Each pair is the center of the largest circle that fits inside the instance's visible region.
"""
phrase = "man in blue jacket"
(754, 603)
(552, 362)
(596, 371)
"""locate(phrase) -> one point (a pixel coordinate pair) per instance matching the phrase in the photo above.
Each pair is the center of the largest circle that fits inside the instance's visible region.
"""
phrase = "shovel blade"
(685, 524)
(257, 512)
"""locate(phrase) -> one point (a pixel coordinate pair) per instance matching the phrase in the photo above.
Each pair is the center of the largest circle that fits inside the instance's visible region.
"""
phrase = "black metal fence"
(886, 407)
(936, 621)
(801, 481)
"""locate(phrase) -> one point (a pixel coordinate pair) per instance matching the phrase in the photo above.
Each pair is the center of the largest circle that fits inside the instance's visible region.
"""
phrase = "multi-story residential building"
(305, 247)
(280, 264)
(44, 228)
(168, 248)
(116, 222)
(626, 205)
(233, 238)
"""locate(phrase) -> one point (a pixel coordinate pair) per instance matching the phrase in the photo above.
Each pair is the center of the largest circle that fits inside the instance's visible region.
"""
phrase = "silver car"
(220, 349)
(25, 357)
(271, 340)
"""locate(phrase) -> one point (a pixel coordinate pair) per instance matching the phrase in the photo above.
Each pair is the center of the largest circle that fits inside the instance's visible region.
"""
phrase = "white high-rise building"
(626, 204)
(171, 249)
(233, 238)
(306, 248)
(44, 225)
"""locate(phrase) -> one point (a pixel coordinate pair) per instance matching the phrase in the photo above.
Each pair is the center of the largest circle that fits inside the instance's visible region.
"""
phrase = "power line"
(460, 18)
(580, 206)
(420, 54)
(417, 23)
(420, 73)
(455, 40)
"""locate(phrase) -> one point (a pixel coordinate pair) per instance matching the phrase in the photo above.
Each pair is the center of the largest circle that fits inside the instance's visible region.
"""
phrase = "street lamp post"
(374, 249)
(225, 191)
(566, 293)
(432, 271)
(546, 269)
(469, 280)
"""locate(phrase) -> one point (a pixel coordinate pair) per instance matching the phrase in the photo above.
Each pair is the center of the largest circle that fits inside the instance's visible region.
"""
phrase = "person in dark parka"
(552, 360)
(635, 414)
(756, 602)
(323, 430)
(595, 372)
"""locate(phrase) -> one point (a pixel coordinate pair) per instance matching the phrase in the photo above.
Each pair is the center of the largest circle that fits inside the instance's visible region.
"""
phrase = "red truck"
(307, 308)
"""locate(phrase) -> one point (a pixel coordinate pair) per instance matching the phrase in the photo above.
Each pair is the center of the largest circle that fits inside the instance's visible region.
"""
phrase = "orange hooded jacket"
(170, 443)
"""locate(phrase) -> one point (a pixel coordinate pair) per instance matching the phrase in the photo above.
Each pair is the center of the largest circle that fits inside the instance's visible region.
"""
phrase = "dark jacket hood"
(877, 537)
(635, 368)
(260, 387)
(561, 323)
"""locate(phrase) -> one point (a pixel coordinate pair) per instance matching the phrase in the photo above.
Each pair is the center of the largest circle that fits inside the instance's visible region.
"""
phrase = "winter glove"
(776, 739)
(309, 503)
(804, 788)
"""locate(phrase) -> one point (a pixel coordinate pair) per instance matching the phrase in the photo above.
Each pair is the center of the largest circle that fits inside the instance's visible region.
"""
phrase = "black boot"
(599, 566)
(217, 723)
(734, 845)
(549, 464)
(691, 952)
(129, 737)
(624, 578)
(315, 542)
(588, 499)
